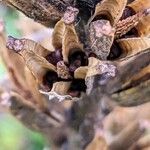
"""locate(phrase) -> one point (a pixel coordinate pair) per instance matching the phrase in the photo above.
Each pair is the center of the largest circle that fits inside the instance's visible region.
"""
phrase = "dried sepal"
(133, 46)
(110, 10)
(58, 34)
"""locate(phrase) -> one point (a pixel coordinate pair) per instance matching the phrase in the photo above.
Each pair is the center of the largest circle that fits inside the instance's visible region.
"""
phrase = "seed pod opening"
(43, 71)
(109, 10)
(77, 86)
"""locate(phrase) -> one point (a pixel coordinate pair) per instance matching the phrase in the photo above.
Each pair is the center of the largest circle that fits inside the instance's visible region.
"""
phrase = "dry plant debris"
(79, 90)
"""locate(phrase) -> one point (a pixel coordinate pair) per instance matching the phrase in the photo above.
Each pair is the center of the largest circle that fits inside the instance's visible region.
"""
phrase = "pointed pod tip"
(15, 44)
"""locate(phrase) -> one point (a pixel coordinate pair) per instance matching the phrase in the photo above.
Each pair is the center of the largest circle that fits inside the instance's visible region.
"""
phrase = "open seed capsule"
(110, 10)
(43, 71)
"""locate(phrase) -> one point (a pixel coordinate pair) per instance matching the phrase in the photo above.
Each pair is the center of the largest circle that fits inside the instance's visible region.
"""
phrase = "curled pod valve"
(43, 71)
(73, 53)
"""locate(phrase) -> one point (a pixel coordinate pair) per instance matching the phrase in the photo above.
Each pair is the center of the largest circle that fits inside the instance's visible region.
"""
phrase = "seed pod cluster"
(109, 38)
(86, 79)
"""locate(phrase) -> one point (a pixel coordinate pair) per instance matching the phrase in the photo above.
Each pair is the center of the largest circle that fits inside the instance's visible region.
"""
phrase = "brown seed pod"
(58, 34)
(13, 62)
(39, 66)
(133, 46)
(110, 10)
(71, 44)
(139, 5)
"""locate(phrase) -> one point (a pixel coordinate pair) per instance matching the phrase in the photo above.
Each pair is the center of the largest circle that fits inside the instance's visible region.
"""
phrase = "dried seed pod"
(80, 73)
(101, 38)
(139, 5)
(13, 62)
(30, 115)
(59, 91)
(132, 46)
(71, 42)
(124, 26)
(44, 72)
(110, 10)
(58, 34)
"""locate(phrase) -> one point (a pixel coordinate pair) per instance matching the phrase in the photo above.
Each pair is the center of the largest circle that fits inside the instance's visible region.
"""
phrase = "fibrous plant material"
(100, 63)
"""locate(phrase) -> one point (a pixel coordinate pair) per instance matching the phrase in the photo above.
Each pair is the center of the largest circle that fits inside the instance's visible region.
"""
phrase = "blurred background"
(13, 135)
